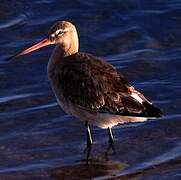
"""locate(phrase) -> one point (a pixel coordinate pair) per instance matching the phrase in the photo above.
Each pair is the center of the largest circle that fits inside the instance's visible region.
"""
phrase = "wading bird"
(88, 87)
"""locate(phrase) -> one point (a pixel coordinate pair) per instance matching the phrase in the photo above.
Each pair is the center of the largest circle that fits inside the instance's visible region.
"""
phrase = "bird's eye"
(59, 32)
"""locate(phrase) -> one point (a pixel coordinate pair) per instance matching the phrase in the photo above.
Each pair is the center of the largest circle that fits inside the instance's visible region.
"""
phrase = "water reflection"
(97, 168)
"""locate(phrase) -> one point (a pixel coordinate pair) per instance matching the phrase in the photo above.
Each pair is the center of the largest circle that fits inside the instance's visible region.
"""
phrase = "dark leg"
(111, 143)
(89, 141)
(111, 139)
(88, 132)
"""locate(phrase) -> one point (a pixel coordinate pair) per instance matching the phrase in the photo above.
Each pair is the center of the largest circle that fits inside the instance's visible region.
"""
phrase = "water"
(39, 141)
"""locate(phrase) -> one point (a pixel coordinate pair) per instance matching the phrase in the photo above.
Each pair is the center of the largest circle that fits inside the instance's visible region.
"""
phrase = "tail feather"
(151, 110)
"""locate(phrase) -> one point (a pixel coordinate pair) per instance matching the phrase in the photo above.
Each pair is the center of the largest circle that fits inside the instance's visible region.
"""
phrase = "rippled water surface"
(39, 141)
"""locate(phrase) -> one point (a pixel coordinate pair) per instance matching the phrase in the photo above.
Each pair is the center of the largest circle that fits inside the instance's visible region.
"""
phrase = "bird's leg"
(111, 139)
(89, 137)
(89, 141)
(111, 142)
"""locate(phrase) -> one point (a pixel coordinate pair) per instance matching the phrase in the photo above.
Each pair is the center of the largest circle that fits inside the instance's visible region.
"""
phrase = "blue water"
(39, 141)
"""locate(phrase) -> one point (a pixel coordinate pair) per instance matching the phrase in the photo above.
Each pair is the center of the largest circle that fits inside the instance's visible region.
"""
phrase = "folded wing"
(95, 85)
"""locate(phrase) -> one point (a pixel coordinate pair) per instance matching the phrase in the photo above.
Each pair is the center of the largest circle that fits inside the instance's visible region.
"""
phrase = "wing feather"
(95, 85)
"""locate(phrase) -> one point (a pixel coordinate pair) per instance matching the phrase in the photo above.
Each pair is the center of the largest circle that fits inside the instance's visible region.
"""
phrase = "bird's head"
(62, 33)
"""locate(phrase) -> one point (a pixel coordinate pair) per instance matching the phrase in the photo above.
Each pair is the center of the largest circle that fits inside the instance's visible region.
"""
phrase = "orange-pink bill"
(42, 43)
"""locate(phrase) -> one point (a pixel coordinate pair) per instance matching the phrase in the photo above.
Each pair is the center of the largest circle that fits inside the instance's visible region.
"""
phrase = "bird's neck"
(60, 52)
(64, 51)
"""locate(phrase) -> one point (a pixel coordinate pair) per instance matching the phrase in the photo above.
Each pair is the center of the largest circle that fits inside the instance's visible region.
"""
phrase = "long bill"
(42, 43)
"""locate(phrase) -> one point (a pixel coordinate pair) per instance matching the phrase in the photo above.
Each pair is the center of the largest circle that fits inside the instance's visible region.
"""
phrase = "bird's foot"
(110, 149)
(87, 151)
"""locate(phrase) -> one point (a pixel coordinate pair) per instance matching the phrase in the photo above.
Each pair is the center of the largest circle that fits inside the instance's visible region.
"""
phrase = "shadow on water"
(95, 169)
(100, 171)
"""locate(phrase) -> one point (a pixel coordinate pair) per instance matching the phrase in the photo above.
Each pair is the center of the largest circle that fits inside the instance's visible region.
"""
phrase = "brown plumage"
(95, 85)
